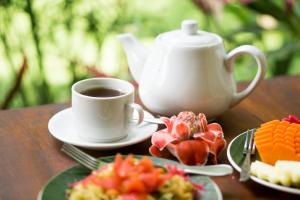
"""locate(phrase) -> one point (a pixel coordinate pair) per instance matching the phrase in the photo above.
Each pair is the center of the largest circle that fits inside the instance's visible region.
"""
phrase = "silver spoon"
(151, 120)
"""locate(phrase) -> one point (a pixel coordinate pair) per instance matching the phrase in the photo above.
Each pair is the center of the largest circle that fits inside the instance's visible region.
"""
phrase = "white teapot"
(188, 69)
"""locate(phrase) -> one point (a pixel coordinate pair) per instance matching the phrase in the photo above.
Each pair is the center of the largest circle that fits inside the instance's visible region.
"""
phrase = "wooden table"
(29, 155)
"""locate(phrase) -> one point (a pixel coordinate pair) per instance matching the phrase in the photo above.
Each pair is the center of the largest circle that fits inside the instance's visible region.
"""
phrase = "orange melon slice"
(278, 140)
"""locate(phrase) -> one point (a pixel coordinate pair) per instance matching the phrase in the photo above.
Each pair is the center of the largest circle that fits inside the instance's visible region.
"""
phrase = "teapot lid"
(189, 36)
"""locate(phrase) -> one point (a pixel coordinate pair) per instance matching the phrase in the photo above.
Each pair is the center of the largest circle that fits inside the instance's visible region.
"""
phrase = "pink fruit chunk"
(292, 119)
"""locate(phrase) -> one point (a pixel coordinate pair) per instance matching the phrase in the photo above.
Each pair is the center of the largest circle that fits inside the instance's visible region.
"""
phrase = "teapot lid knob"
(189, 26)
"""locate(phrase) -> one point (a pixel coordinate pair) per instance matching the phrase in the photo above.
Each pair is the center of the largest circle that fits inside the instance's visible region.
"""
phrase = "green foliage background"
(63, 40)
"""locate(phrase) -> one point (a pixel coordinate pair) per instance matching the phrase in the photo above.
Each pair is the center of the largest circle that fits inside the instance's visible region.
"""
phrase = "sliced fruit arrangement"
(286, 173)
(278, 140)
(278, 145)
(189, 138)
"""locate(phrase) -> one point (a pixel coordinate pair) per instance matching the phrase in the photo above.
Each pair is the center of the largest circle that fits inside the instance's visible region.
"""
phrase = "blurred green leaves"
(63, 39)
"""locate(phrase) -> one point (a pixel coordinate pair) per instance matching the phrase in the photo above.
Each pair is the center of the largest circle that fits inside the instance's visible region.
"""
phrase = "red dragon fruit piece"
(215, 149)
(189, 138)
(162, 138)
(154, 151)
(292, 119)
(190, 152)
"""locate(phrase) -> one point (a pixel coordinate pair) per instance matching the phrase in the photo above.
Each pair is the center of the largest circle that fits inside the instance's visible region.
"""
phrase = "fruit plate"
(56, 186)
(236, 158)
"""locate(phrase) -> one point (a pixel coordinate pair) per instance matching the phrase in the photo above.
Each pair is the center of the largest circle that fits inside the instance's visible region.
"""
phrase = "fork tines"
(249, 145)
(249, 149)
(80, 156)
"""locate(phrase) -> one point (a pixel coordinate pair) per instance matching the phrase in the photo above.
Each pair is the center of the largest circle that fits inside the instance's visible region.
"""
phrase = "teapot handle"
(260, 61)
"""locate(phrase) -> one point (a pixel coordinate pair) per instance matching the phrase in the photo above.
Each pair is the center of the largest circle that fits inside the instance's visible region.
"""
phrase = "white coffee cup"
(104, 119)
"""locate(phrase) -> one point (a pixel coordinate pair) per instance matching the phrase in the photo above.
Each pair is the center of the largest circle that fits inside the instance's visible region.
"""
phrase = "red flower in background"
(189, 138)
(289, 4)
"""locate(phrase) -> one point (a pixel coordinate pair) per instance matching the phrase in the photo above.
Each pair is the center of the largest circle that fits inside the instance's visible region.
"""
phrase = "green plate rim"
(255, 179)
(215, 186)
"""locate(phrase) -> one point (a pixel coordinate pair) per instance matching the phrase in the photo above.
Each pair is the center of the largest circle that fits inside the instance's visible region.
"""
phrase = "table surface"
(29, 155)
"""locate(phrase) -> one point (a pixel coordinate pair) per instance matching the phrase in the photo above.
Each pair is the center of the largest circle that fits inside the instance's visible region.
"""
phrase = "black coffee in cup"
(102, 109)
(101, 92)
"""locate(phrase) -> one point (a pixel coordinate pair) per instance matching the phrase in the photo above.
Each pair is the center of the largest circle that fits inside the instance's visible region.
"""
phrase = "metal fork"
(93, 163)
(82, 157)
(249, 149)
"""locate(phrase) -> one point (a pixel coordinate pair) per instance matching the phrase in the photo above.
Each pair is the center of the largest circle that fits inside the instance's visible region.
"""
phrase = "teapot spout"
(136, 54)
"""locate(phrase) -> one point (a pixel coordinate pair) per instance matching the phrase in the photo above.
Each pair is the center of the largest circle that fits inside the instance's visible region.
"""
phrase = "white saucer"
(61, 127)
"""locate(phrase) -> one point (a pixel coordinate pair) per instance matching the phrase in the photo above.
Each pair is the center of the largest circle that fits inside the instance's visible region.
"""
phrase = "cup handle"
(139, 110)
(260, 61)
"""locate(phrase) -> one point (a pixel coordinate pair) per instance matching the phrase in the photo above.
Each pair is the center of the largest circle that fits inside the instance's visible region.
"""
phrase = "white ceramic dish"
(235, 157)
(61, 127)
